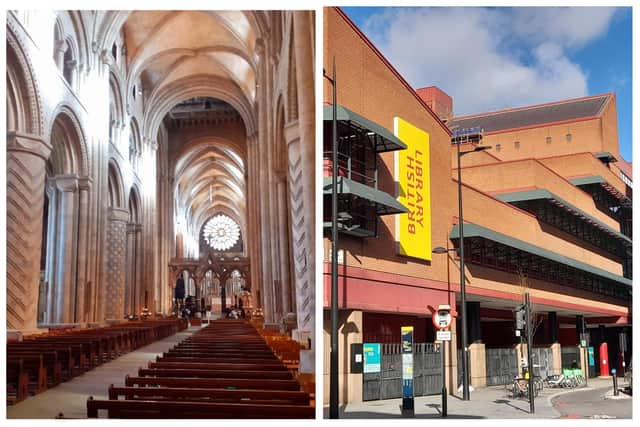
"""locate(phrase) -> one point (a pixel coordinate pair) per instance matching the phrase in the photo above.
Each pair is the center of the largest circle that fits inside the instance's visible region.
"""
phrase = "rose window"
(221, 232)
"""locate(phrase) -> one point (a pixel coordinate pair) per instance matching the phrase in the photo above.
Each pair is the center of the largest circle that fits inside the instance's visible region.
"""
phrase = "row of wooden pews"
(39, 362)
(288, 351)
(225, 370)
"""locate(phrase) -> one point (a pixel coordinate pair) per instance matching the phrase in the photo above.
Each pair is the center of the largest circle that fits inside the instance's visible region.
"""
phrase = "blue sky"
(494, 58)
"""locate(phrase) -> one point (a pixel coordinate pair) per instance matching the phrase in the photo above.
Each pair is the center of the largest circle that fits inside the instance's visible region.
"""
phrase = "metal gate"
(542, 359)
(502, 365)
(569, 355)
(387, 384)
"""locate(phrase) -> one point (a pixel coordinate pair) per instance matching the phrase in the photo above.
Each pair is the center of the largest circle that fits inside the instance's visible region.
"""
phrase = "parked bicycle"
(519, 387)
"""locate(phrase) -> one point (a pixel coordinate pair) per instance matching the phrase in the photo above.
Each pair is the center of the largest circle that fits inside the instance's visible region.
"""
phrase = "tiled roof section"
(625, 167)
(533, 115)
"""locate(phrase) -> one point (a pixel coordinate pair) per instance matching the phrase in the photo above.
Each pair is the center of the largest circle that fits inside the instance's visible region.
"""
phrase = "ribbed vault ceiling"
(209, 179)
(166, 46)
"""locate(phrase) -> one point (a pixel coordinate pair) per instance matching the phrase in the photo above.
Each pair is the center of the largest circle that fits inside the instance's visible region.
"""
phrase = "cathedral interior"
(155, 163)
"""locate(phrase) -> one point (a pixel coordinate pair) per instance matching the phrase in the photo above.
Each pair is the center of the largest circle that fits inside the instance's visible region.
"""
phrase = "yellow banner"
(413, 230)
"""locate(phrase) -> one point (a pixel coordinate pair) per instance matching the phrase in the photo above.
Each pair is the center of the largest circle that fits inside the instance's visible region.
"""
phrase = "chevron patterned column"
(302, 250)
(26, 157)
(116, 255)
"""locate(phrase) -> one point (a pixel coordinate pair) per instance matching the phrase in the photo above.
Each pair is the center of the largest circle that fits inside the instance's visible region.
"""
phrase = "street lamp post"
(333, 363)
(468, 136)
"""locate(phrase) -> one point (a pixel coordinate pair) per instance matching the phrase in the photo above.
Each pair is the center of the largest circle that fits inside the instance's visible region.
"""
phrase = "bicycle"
(520, 388)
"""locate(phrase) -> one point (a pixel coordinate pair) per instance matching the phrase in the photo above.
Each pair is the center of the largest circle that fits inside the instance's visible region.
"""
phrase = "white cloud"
(489, 59)
(569, 26)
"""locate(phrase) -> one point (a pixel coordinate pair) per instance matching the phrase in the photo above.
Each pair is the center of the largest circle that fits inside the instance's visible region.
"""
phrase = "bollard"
(615, 382)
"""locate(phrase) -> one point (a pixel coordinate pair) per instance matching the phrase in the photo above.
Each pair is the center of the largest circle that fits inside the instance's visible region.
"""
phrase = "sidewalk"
(490, 402)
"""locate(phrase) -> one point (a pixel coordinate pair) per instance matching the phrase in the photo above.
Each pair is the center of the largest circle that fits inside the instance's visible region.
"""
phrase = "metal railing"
(352, 169)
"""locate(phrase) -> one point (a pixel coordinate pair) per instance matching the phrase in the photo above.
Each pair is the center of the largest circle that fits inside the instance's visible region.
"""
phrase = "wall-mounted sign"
(371, 353)
(412, 171)
(443, 335)
(357, 361)
(592, 359)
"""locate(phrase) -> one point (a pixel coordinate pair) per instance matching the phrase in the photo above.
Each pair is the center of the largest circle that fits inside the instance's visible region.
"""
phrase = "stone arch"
(116, 105)
(67, 129)
(135, 141)
(115, 185)
(135, 205)
(181, 90)
(24, 112)
(64, 211)
(70, 28)
(135, 295)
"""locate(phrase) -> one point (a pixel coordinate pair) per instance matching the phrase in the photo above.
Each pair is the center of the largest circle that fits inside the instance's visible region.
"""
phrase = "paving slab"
(488, 403)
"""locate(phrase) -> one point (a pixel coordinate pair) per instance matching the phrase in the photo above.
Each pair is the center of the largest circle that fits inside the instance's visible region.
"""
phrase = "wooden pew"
(212, 373)
(197, 364)
(35, 363)
(71, 356)
(33, 366)
(178, 357)
(225, 370)
(238, 383)
(17, 381)
(273, 397)
(169, 409)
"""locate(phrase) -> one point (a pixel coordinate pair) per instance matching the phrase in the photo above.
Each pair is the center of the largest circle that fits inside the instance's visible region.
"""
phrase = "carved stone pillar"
(84, 186)
(263, 184)
(130, 269)
(115, 268)
(65, 276)
(283, 241)
(139, 301)
(26, 157)
(303, 43)
(302, 241)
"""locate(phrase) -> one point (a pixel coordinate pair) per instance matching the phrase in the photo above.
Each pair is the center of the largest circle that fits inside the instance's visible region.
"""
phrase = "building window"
(568, 136)
(114, 52)
(549, 139)
(498, 147)
(517, 145)
(221, 232)
(135, 89)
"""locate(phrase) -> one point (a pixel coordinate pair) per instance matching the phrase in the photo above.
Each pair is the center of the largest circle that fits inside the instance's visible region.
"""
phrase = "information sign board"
(371, 353)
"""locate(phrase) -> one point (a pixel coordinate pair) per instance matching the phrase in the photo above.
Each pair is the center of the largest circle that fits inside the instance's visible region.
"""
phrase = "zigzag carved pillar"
(301, 215)
(303, 144)
(26, 157)
(116, 254)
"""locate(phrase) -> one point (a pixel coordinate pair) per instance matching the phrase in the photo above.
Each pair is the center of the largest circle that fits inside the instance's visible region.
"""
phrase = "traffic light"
(520, 318)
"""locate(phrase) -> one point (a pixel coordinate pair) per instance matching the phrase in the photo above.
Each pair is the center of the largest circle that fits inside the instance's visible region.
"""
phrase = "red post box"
(604, 360)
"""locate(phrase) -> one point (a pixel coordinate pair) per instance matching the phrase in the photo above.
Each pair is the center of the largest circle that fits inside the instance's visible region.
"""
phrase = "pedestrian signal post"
(442, 320)
(407, 371)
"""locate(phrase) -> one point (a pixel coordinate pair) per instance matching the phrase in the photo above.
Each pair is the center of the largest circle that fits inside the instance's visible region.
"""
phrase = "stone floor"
(70, 397)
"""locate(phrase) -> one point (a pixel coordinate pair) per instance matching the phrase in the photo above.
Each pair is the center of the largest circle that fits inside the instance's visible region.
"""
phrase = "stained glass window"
(221, 232)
